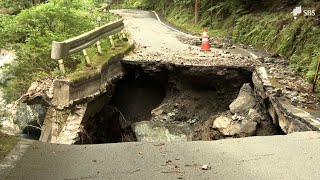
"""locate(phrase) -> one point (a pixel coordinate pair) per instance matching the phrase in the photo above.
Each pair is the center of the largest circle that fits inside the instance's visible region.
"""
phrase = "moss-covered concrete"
(97, 61)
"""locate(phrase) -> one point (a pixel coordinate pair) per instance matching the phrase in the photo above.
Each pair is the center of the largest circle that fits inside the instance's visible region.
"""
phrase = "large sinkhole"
(178, 104)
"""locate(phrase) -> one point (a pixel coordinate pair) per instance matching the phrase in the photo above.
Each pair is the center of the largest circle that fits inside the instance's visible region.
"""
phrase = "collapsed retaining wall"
(288, 117)
(70, 103)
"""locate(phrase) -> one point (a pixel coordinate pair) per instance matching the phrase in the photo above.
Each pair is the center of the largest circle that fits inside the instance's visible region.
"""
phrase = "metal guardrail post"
(84, 51)
(61, 67)
(60, 50)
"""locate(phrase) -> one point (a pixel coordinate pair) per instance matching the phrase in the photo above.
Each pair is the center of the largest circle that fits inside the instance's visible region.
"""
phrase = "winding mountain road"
(156, 40)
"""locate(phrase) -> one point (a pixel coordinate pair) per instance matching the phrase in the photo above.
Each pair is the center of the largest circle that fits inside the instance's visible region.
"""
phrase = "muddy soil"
(199, 105)
(195, 101)
(178, 102)
(105, 127)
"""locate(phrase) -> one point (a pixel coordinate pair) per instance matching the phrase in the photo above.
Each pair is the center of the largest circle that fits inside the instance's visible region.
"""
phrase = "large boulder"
(148, 131)
(229, 127)
(14, 118)
(244, 102)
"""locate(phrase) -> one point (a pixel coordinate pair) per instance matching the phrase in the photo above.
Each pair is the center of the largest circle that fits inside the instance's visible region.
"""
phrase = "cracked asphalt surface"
(294, 156)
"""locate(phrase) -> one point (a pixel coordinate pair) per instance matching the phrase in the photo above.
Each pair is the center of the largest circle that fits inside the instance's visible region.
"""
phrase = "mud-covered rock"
(229, 127)
(148, 131)
(244, 102)
(16, 117)
(221, 122)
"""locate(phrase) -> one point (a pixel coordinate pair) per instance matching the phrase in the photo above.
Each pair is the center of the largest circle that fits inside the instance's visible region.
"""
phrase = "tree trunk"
(196, 12)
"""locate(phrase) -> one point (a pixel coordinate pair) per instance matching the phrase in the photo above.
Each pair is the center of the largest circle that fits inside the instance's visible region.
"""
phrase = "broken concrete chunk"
(206, 167)
(244, 102)
(158, 111)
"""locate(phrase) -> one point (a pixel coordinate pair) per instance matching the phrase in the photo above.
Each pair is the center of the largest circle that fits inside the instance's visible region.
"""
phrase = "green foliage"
(139, 4)
(297, 40)
(13, 6)
(229, 7)
(30, 34)
(97, 61)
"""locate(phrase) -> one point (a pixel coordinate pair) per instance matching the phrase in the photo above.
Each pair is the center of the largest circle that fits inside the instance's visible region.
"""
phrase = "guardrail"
(61, 50)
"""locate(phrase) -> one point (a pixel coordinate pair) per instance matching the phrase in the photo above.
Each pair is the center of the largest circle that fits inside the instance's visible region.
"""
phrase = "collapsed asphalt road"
(276, 157)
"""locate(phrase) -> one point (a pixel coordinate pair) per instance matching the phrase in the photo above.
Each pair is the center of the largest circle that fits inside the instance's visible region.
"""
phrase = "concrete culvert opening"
(179, 104)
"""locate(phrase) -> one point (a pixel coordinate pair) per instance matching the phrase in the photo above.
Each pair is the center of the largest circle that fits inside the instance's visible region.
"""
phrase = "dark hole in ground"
(134, 97)
(32, 131)
(34, 122)
(137, 95)
(176, 105)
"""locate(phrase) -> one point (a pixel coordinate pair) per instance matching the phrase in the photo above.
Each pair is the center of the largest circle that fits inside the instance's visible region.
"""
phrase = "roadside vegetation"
(14, 6)
(6, 144)
(31, 31)
(264, 24)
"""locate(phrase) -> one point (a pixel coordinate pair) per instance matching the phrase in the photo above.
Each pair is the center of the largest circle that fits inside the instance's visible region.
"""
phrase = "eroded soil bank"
(165, 103)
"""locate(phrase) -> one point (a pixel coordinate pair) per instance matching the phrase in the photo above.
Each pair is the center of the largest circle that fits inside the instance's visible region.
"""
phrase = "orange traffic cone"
(205, 46)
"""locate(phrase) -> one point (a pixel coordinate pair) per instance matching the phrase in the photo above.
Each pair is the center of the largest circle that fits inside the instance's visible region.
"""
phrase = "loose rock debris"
(206, 167)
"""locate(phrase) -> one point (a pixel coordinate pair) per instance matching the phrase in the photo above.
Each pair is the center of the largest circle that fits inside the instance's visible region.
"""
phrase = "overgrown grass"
(184, 20)
(84, 72)
(6, 144)
(297, 40)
